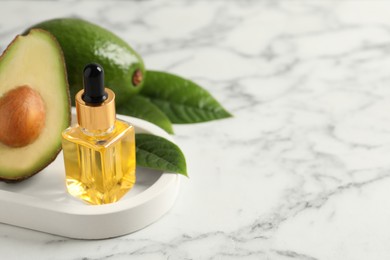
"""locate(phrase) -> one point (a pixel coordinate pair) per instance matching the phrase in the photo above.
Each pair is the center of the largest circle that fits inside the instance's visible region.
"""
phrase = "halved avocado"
(34, 104)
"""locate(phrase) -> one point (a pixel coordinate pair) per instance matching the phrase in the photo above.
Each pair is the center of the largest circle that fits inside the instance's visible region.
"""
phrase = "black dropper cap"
(94, 92)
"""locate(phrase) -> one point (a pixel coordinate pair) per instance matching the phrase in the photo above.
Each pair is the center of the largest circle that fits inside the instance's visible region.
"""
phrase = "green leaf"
(158, 153)
(180, 99)
(141, 107)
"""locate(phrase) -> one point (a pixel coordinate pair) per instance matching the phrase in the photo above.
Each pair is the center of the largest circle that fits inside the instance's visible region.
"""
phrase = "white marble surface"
(302, 170)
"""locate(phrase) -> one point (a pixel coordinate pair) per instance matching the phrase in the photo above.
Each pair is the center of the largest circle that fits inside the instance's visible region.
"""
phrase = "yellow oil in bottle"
(100, 169)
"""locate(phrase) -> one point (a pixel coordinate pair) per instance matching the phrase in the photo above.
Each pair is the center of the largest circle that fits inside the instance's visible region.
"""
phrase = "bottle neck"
(98, 133)
(96, 120)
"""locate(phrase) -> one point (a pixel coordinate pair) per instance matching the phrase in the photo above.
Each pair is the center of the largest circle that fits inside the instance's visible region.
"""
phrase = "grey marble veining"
(300, 172)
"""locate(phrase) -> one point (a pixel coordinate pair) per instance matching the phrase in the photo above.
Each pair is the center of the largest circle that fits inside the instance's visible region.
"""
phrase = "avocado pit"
(22, 116)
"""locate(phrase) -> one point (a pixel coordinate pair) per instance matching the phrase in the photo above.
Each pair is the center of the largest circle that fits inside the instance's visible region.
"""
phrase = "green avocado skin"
(83, 42)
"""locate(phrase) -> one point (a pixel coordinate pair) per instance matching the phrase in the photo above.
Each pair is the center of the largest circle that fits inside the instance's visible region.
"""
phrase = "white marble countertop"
(302, 171)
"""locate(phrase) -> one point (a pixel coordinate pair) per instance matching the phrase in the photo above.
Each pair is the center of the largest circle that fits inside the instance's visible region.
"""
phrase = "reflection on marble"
(300, 172)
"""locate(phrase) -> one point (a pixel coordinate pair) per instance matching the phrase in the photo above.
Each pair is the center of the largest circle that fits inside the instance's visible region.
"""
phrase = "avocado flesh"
(35, 60)
(83, 42)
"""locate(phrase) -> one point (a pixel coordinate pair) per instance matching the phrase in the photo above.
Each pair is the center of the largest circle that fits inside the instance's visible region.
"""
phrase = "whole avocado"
(83, 42)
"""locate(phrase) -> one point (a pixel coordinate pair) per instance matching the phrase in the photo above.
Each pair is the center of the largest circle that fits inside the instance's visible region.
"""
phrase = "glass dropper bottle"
(99, 151)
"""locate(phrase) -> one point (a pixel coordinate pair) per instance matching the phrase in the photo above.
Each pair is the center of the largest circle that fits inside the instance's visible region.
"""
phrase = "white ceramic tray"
(42, 203)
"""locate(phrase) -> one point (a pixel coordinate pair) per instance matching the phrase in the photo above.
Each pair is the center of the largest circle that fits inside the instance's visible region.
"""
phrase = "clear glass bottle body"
(100, 167)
